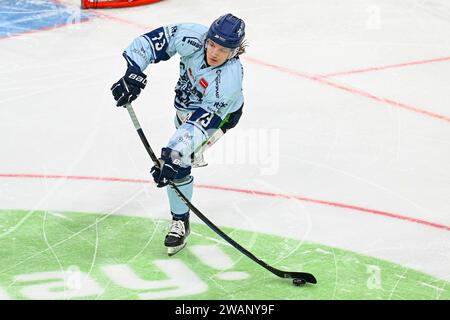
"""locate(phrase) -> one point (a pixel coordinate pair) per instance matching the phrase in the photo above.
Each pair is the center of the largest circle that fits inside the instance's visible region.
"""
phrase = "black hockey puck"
(298, 282)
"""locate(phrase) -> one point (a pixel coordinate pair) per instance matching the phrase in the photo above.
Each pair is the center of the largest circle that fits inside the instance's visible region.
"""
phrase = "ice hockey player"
(208, 100)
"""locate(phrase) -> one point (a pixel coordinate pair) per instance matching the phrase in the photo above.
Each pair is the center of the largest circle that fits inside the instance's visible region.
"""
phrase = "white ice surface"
(58, 117)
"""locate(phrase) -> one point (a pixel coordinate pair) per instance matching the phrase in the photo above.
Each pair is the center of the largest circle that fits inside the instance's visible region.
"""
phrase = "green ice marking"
(65, 255)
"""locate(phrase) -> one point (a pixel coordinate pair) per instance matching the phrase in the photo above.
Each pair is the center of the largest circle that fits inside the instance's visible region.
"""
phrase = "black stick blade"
(308, 277)
(282, 274)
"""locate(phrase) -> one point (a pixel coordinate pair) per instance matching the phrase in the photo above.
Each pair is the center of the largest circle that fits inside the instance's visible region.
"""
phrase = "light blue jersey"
(204, 96)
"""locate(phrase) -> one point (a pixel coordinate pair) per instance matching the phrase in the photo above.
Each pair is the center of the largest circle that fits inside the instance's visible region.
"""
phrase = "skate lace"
(177, 228)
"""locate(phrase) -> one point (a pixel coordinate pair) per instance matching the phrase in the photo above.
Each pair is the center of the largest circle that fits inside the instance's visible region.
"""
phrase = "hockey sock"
(180, 211)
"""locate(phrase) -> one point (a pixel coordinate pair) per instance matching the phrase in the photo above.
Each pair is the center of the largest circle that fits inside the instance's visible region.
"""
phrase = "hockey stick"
(280, 273)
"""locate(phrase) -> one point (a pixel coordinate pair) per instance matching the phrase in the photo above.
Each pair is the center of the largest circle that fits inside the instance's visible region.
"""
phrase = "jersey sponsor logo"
(195, 42)
(220, 105)
(141, 53)
(217, 83)
(203, 83)
(185, 139)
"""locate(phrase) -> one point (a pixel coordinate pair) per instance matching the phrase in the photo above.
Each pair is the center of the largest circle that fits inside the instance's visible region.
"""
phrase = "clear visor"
(223, 50)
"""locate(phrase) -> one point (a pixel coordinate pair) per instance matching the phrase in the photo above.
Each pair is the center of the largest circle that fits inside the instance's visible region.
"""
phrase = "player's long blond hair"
(242, 47)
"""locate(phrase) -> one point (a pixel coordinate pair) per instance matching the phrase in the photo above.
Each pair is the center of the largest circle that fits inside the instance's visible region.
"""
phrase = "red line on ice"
(238, 190)
(322, 79)
(349, 89)
(398, 65)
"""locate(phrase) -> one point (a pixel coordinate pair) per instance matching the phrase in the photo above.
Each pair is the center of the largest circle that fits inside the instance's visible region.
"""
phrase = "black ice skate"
(176, 238)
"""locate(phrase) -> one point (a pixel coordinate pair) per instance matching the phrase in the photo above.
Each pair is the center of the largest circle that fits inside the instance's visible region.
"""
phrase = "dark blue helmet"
(228, 31)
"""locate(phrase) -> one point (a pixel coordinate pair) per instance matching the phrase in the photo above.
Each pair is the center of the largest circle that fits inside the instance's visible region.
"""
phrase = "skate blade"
(199, 165)
(172, 250)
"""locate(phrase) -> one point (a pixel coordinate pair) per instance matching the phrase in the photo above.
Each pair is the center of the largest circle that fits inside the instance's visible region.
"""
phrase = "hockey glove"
(129, 86)
(168, 169)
